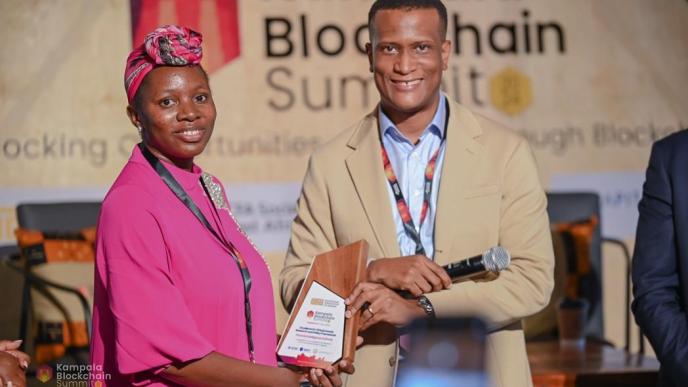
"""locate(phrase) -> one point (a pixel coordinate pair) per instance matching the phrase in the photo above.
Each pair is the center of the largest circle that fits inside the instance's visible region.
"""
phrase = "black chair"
(56, 218)
(575, 206)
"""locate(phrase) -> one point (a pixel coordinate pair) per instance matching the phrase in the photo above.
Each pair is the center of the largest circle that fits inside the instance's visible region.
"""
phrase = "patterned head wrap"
(168, 45)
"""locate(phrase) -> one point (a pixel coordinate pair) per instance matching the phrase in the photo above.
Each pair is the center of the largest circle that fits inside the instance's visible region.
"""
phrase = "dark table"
(594, 365)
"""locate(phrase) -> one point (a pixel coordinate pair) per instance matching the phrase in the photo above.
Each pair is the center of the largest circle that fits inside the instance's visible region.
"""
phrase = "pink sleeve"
(153, 326)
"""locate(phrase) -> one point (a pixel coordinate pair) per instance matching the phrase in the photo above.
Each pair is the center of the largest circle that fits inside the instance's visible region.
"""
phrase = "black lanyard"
(401, 204)
(177, 189)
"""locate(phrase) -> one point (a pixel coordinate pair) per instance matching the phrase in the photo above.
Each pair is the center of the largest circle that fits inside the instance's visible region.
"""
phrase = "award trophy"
(317, 333)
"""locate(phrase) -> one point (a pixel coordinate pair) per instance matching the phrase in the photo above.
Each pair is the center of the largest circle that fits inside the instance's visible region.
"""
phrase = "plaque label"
(316, 336)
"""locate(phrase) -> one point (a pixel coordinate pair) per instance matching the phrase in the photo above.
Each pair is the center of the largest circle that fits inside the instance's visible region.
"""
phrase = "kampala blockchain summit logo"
(44, 373)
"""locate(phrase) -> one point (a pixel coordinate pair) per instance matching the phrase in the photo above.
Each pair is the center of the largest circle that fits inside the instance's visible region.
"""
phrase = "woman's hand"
(11, 372)
(12, 348)
(6, 345)
(328, 377)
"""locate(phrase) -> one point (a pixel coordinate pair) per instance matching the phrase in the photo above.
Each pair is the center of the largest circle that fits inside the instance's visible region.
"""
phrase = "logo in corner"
(44, 373)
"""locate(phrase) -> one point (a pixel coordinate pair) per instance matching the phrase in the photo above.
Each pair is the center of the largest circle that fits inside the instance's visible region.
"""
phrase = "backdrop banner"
(591, 84)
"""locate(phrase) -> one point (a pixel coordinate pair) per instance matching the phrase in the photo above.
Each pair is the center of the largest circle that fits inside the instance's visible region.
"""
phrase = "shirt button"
(416, 192)
(392, 361)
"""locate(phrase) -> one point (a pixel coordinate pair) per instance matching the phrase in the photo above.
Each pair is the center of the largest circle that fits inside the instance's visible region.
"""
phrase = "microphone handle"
(465, 267)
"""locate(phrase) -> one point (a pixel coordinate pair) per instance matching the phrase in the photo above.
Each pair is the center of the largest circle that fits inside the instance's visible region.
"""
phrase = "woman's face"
(176, 111)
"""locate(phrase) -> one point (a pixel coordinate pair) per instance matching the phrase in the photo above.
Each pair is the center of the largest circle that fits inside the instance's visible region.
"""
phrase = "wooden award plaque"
(335, 272)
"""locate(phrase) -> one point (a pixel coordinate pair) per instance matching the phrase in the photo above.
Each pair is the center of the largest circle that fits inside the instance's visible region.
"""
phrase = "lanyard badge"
(177, 189)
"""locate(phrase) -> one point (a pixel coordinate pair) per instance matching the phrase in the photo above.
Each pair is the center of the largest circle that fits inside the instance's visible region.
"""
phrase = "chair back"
(58, 255)
(564, 207)
(58, 216)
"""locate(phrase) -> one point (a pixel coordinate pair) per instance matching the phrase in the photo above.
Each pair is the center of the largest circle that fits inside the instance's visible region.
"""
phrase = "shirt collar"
(436, 126)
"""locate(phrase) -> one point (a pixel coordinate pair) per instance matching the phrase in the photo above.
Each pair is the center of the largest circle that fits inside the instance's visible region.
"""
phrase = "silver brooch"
(215, 191)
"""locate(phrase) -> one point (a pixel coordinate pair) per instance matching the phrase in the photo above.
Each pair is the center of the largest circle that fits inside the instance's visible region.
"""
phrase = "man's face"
(407, 57)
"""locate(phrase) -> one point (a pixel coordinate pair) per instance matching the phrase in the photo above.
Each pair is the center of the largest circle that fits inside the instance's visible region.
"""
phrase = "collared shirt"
(409, 162)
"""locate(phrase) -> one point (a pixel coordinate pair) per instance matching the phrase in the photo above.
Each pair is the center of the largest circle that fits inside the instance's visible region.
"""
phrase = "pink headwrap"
(166, 46)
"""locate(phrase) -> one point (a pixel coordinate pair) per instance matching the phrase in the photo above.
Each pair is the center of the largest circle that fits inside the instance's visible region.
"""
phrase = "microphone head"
(496, 258)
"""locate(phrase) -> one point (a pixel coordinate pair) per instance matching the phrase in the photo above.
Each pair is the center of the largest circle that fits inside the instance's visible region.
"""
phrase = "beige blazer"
(489, 194)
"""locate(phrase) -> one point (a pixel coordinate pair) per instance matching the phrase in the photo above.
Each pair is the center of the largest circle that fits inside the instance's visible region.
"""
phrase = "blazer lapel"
(461, 157)
(367, 174)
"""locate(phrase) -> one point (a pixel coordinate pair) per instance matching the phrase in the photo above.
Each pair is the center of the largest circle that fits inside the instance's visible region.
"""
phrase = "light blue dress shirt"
(409, 162)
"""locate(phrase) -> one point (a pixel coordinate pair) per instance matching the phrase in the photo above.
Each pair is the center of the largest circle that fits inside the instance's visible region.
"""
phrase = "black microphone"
(494, 259)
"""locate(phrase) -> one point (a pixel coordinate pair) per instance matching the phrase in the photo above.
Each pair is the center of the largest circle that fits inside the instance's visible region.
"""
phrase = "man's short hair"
(408, 5)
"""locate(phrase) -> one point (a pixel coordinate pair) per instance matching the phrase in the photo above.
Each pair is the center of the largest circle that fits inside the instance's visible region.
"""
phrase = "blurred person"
(426, 182)
(660, 259)
(182, 297)
(13, 364)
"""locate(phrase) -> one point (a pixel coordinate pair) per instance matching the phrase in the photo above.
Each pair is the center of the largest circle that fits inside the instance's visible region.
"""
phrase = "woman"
(181, 294)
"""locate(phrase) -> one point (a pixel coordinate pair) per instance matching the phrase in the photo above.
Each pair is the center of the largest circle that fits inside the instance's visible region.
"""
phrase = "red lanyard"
(402, 207)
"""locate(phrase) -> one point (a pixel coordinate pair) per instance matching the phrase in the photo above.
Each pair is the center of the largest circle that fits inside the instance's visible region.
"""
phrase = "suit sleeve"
(312, 232)
(524, 288)
(656, 303)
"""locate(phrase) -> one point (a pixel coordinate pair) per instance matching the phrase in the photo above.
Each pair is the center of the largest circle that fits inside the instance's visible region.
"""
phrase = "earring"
(140, 129)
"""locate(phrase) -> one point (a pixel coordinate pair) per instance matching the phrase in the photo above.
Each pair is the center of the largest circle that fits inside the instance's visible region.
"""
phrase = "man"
(660, 261)
(463, 184)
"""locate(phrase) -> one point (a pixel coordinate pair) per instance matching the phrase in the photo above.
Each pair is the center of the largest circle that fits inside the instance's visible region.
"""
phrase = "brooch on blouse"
(215, 191)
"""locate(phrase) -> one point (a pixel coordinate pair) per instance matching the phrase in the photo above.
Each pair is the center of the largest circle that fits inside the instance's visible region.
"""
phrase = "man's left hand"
(384, 305)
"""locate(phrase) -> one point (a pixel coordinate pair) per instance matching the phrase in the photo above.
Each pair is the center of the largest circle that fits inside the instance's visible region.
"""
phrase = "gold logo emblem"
(511, 91)
(44, 373)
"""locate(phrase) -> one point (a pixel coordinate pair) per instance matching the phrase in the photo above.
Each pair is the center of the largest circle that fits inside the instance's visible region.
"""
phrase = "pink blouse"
(165, 289)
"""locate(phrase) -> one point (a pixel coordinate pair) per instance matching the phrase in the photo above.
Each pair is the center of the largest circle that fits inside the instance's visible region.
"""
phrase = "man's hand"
(415, 273)
(384, 304)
